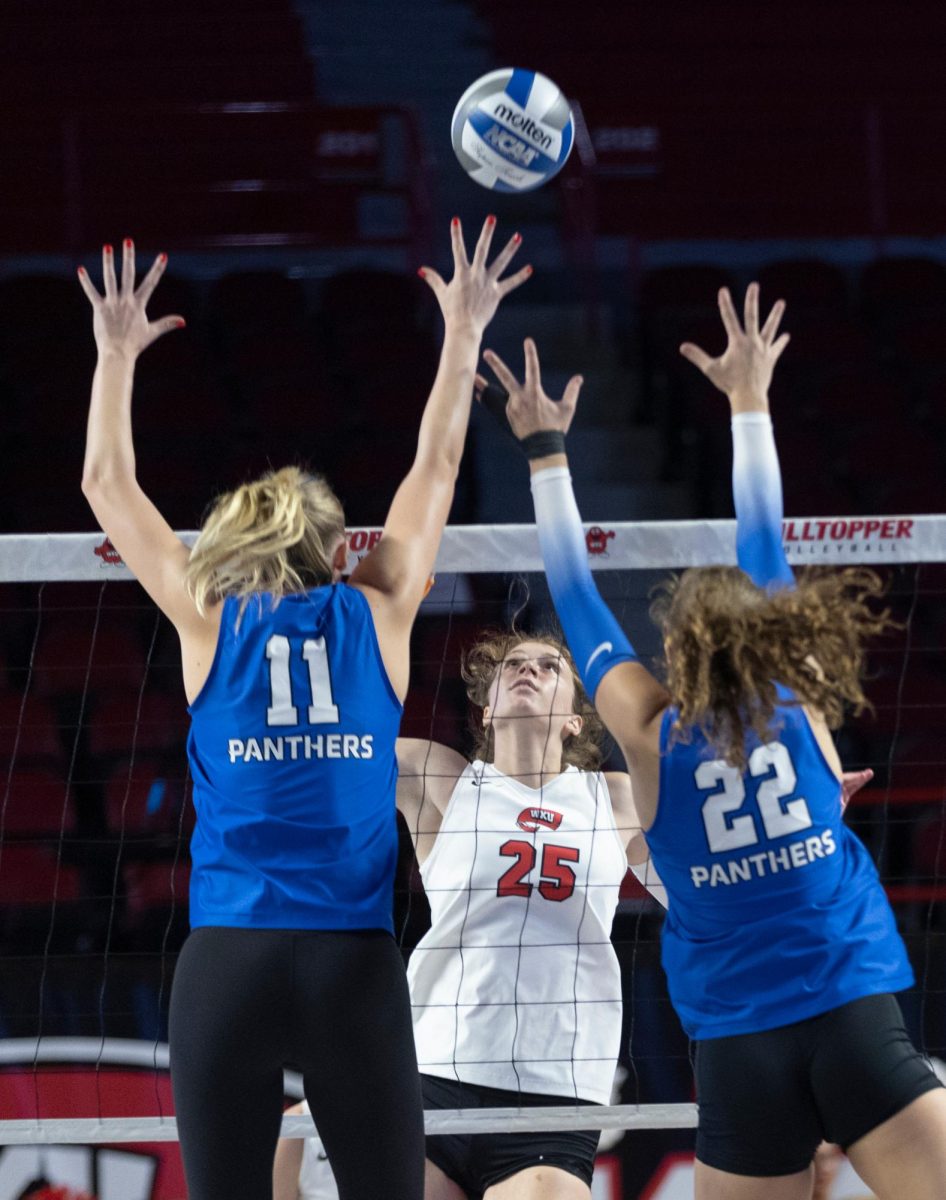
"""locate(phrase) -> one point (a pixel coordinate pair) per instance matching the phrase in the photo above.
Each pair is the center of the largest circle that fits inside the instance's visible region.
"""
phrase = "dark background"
(294, 161)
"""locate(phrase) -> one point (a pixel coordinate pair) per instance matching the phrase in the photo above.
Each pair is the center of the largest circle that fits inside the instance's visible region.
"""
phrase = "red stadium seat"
(31, 875)
(36, 802)
(29, 732)
(160, 885)
(72, 657)
(148, 796)
(130, 723)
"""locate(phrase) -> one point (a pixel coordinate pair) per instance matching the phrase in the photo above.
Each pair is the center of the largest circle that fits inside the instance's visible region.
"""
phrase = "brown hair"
(728, 642)
(273, 535)
(478, 668)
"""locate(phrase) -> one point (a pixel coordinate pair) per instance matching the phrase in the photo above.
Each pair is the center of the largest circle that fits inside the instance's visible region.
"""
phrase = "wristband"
(542, 443)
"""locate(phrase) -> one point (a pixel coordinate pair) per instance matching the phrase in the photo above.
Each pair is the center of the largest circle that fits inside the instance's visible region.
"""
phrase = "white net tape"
(809, 541)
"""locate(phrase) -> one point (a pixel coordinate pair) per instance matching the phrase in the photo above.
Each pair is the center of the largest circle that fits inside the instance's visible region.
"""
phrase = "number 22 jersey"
(292, 753)
(776, 912)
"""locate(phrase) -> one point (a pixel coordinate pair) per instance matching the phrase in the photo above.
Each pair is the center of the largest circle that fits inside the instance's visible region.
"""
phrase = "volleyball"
(512, 130)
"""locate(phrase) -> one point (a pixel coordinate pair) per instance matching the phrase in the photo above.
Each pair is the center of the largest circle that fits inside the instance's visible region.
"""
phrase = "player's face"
(533, 680)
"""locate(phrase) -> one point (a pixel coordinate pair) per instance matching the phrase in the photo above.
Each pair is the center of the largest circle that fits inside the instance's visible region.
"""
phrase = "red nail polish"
(421, 272)
(180, 324)
(162, 259)
(107, 249)
(517, 238)
(490, 220)
(528, 270)
(127, 243)
(455, 222)
(80, 270)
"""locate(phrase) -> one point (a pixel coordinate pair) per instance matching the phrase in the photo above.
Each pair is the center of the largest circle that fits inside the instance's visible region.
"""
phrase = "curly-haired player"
(780, 948)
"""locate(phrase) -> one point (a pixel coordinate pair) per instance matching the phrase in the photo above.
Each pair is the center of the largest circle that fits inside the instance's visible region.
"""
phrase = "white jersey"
(316, 1181)
(516, 985)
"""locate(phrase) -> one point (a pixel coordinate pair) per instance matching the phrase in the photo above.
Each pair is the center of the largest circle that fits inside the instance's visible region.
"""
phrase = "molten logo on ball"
(512, 130)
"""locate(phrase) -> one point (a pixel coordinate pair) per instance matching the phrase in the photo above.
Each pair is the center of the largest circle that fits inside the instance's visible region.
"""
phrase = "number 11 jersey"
(516, 984)
(292, 753)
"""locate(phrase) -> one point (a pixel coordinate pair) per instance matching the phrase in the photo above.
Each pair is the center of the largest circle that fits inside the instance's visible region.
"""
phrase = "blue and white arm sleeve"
(596, 640)
(757, 495)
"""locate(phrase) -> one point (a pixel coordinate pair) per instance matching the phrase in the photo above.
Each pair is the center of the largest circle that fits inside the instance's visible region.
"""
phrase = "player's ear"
(573, 726)
(486, 714)
(340, 557)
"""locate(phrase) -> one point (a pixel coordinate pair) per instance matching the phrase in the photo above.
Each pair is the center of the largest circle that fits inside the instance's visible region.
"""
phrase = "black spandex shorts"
(767, 1099)
(331, 1004)
(477, 1161)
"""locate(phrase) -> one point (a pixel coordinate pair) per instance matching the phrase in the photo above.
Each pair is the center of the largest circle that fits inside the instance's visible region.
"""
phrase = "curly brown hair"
(727, 643)
(478, 667)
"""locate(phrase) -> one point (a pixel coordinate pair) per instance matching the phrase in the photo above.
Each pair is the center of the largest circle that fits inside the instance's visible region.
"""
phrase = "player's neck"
(531, 755)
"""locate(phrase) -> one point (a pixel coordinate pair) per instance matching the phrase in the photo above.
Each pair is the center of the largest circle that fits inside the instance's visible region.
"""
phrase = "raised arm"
(137, 530)
(629, 699)
(744, 372)
(427, 773)
(394, 575)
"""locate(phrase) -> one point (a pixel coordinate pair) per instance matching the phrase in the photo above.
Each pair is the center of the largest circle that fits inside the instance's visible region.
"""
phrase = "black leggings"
(333, 1005)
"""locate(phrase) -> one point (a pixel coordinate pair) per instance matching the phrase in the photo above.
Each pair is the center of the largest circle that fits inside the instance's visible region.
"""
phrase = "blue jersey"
(292, 750)
(776, 910)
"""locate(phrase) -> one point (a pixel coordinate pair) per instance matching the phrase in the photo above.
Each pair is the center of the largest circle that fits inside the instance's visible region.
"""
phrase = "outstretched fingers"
(433, 279)
(501, 371)
(570, 395)
(108, 273)
(779, 346)
(481, 252)
(728, 314)
(505, 256)
(128, 267)
(151, 280)
(533, 370)
(751, 310)
(89, 287)
(770, 328)
(506, 286)
(459, 249)
(700, 359)
(162, 326)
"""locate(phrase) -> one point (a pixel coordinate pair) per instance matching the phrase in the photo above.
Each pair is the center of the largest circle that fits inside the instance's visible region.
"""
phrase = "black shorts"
(332, 1004)
(767, 1099)
(477, 1161)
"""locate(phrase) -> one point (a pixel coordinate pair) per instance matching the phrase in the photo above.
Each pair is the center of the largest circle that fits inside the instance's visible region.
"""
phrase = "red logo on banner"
(534, 819)
(360, 541)
(108, 554)
(596, 539)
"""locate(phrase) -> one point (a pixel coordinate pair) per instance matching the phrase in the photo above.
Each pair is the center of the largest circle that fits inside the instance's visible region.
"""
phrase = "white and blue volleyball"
(512, 130)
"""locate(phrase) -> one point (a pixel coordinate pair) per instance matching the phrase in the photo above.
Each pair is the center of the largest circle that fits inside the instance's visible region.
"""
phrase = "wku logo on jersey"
(534, 819)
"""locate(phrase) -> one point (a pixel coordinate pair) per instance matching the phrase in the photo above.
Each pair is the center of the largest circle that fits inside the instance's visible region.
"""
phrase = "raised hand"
(120, 324)
(744, 370)
(528, 409)
(472, 296)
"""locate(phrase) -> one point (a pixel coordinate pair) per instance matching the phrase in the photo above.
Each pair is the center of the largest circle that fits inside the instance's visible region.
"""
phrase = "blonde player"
(295, 683)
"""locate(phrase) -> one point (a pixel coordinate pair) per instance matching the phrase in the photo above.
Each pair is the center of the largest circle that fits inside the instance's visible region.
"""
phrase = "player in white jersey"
(516, 988)
(301, 1169)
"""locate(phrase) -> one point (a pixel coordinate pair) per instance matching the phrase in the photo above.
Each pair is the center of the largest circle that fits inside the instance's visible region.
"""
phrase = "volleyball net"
(95, 812)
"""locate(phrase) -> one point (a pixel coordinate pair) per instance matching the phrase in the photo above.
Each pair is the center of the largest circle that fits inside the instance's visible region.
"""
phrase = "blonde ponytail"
(276, 535)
